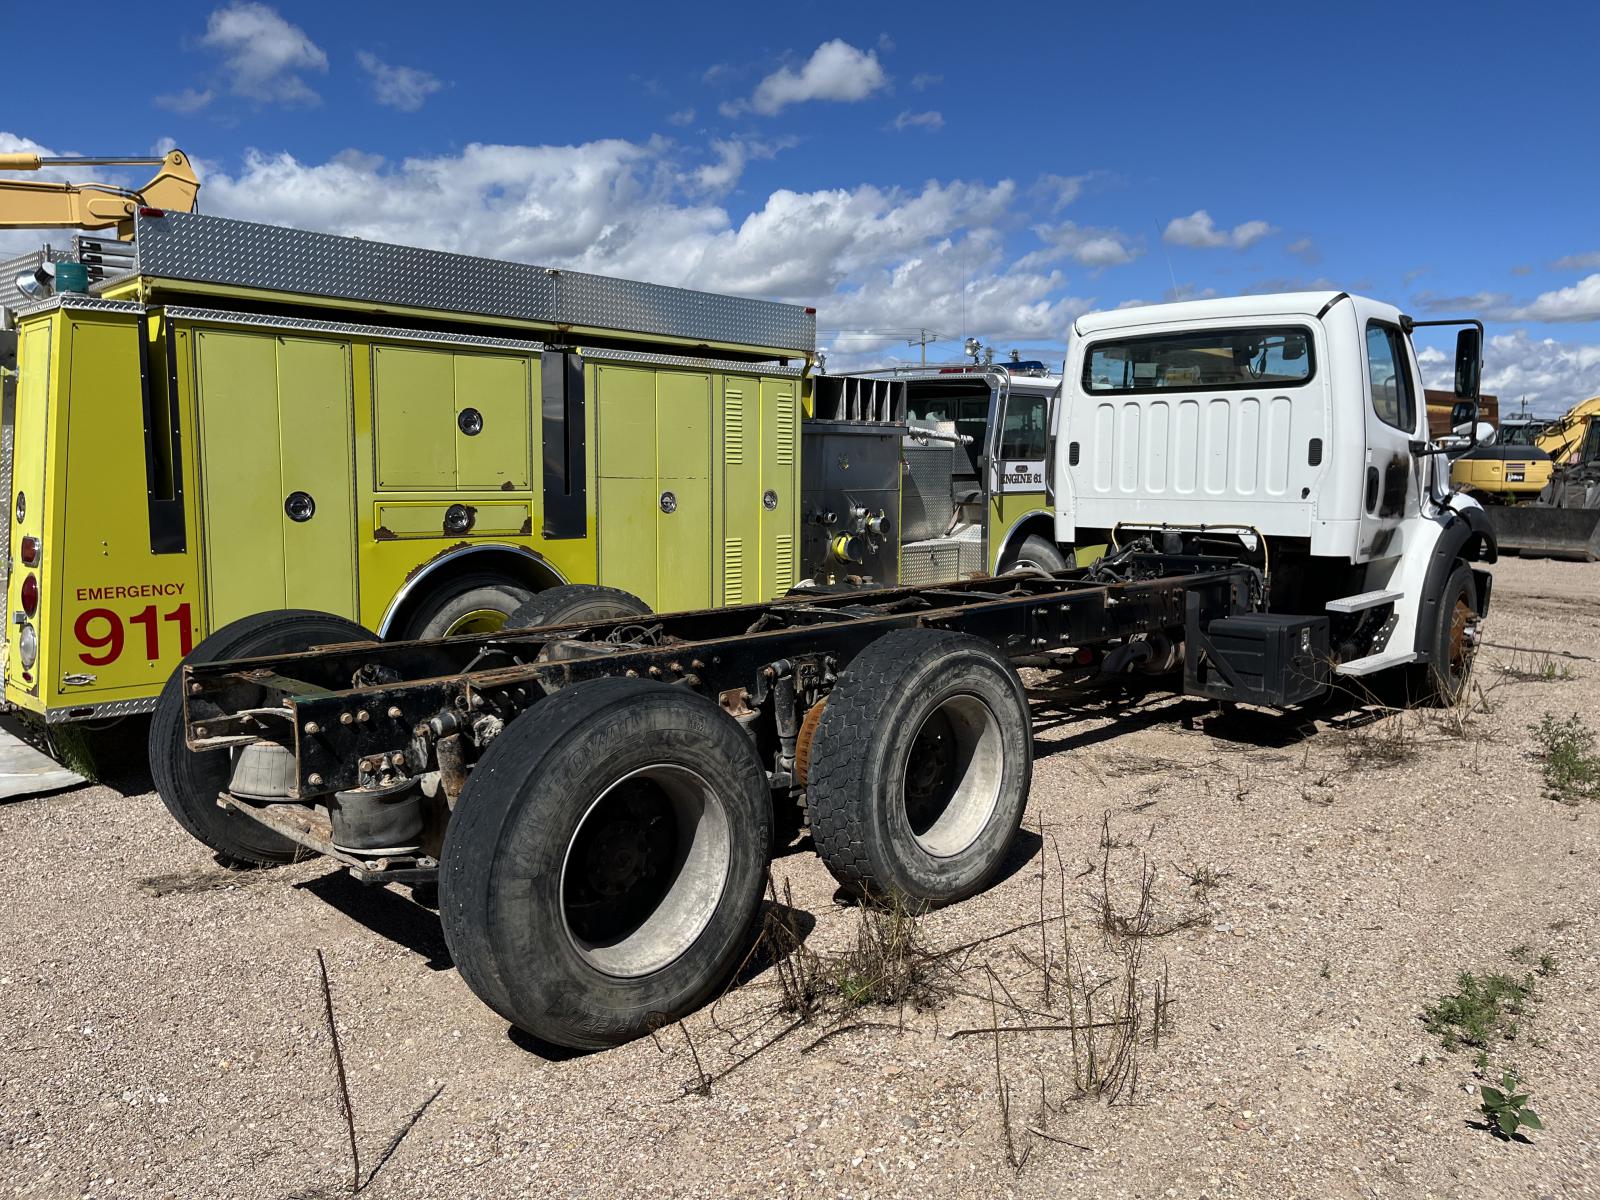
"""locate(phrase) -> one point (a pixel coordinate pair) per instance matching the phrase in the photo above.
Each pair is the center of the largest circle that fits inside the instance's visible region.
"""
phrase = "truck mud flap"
(1538, 532)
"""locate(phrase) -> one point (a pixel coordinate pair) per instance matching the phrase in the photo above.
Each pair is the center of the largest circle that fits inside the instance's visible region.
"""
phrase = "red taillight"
(30, 595)
(147, 211)
(30, 551)
(1084, 656)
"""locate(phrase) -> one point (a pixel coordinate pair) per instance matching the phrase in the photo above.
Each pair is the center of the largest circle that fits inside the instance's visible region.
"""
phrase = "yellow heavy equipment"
(53, 204)
(1561, 519)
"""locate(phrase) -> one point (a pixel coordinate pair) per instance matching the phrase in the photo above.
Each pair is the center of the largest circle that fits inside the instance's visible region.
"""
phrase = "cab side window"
(1389, 373)
(1026, 429)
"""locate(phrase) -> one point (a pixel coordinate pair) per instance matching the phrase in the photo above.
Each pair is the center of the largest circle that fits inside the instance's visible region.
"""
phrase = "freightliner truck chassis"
(596, 795)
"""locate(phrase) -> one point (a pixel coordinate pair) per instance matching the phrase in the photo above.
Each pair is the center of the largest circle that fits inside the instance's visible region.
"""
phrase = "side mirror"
(1469, 362)
(1483, 435)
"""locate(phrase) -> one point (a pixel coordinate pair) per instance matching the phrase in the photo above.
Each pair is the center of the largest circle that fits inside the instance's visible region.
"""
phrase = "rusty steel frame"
(350, 712)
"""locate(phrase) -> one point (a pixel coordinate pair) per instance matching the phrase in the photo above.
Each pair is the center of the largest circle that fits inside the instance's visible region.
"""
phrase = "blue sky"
(988, 171)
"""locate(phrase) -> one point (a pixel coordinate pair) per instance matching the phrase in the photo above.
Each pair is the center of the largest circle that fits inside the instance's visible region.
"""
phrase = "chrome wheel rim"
(645, 870)
(950, 787)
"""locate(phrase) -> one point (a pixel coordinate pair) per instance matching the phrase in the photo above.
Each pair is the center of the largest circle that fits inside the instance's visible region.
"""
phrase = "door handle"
(299, 506)
(669, 502)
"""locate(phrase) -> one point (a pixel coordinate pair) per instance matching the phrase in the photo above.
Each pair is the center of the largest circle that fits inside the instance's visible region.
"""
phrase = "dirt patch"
(165, 1025)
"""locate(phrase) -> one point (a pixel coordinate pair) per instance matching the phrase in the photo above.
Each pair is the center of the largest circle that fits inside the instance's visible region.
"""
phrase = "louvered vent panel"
(783, 565)
(784, 435)
(733, 428)
(733, 571)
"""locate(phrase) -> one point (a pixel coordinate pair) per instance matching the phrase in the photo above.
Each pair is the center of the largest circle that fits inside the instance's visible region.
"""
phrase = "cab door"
(1390, 490)
(277, 481)
(1019, 438)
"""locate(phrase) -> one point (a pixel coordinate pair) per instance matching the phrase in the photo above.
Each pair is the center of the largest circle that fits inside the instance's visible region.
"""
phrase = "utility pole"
(927, 335)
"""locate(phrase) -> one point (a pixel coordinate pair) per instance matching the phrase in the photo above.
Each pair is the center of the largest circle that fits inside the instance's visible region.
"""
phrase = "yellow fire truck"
(237, 417)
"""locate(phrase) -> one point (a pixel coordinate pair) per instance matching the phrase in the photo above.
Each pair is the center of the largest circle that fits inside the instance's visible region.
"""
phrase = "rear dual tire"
(920, 768)
(605, 861)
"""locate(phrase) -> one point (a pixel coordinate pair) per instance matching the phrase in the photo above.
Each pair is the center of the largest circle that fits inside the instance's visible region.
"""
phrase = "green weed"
(1483, 1010)
(1507, 1109)
(1567, 756)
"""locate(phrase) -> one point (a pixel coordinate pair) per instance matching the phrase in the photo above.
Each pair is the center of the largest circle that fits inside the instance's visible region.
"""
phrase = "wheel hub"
(952, 777)
(645, 870)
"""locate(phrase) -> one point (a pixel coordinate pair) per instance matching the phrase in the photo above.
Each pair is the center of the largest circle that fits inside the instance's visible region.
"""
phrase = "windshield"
(1214, 359)
(1520, 434)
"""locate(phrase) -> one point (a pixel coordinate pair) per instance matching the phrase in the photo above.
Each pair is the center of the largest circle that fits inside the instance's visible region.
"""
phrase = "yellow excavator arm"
(46, 204)
(1561, 438)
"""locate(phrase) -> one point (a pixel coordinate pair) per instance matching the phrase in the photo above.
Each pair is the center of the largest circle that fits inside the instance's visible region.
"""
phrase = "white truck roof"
(1271, 305)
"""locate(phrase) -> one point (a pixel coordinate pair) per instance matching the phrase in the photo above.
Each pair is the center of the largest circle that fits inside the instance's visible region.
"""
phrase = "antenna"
(1171, 274)
(924, 338)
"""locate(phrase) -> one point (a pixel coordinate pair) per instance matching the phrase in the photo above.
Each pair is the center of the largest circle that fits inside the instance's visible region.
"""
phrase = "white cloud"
(1577, 262)
(1580, 302)
(264, 55)
(835, 71)
(732, 156)
(404, 88)
(1305, 250)
(187, 101)
(1198, 230)
(1087, 245)
(921, 83)
(684, 116)
(931, 121)
(1552, 375)
(872, 259)
(1062, 190)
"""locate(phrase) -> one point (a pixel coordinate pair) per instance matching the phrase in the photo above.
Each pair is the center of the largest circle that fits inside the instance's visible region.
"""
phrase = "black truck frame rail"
(358, 713)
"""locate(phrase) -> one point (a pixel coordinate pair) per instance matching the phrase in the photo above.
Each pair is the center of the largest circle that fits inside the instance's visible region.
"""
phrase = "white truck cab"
(1290, 428)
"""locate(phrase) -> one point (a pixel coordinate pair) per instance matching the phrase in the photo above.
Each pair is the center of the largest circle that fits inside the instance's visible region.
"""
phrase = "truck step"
(1373, 663)
(1351, 604)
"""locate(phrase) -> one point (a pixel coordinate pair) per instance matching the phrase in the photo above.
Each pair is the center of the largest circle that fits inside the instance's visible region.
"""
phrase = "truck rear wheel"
(920, 768)
(605, 861)
(189, 783)
(574, 602)
(481, 602)
(1443, 678)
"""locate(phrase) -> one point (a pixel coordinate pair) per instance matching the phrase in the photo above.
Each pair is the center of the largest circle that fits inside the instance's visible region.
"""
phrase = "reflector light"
(30, 551)
(151, 212)
(30, 595)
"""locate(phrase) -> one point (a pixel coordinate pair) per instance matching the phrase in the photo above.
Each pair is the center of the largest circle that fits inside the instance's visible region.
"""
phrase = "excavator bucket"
(1537, 531)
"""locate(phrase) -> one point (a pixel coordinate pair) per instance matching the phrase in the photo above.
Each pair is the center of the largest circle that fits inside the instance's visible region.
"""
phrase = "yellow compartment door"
(683, 521)
(779, 483)
(277, 489)
(741, 490)
(626, 499)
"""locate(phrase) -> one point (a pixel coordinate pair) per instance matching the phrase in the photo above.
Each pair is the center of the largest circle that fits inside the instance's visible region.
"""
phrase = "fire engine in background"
(213, 418)
(960, 450)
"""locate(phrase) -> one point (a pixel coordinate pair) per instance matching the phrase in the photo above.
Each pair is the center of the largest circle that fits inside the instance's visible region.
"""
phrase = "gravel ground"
(163, 1030)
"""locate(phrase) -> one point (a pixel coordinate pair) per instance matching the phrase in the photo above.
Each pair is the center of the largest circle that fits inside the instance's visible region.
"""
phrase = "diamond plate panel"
(99, 712)
(928, 499)
(206, 249)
